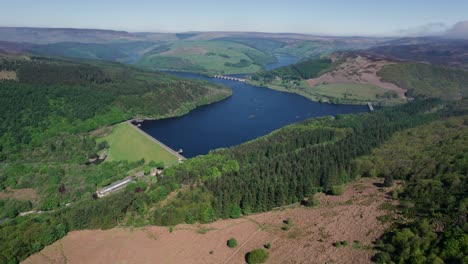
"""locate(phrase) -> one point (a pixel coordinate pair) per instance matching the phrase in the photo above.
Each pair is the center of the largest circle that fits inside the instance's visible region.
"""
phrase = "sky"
(329, 17)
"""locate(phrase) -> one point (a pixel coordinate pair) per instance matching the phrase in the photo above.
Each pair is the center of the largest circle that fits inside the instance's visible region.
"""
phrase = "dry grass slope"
(349, 217)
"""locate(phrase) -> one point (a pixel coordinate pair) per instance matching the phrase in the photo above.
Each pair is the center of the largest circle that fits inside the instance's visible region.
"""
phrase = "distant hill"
(53, 35)
(448, 52)
(14, 48)
(387, 74)
(205, 52)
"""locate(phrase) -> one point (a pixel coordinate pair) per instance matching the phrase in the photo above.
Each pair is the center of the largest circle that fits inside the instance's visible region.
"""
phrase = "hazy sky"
(345, 17)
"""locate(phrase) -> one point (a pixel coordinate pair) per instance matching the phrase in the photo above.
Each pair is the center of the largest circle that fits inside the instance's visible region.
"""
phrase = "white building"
(113, 187)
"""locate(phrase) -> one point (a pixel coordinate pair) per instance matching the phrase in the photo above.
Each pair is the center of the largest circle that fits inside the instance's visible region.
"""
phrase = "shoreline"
(313, 97)
(310, 96)
(175, 153)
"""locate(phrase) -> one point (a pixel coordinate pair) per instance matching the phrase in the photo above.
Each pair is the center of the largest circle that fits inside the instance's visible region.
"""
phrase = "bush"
(258, 255)
(340, 243)
(232, 242)
(235, 212)
(337, 190)
(310, 202)
(388, 181)
(147, 170)
(159, 165)
(267, 245)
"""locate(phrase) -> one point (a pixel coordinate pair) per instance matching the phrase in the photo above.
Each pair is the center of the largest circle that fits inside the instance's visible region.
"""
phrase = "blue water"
(249, 113)
(283, 60)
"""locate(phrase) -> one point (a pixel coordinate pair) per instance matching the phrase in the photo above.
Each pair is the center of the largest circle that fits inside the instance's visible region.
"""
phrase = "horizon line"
(226, 31)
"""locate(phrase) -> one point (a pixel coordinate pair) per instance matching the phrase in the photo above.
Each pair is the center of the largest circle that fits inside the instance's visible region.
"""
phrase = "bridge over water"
(230, 78)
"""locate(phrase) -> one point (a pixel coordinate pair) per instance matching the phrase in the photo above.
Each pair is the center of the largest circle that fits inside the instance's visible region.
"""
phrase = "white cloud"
(459, 30)
(431, 29)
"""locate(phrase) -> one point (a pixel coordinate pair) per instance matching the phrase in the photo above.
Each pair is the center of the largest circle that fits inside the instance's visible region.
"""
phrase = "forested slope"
(432, 162)
(52, 97)
(46, 117)
(426, 80)
(292, 163)
(306, 69)
(278, 169)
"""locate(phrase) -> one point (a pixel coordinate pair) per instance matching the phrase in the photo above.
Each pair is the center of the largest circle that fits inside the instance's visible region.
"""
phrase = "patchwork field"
(311, 236)
(222, 57)
(126, 143)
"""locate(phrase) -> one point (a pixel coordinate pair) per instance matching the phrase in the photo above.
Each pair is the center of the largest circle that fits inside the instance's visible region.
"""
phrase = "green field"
(126, 143)
(292, 78)
(346, 93)
(350, 92)
(212, 56)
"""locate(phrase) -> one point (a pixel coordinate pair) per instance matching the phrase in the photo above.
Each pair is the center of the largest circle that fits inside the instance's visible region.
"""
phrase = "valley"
(289, 166)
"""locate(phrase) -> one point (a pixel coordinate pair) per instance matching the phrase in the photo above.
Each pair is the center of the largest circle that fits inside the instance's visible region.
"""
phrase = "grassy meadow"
(349, 93)
(356, 92)
(126, 143)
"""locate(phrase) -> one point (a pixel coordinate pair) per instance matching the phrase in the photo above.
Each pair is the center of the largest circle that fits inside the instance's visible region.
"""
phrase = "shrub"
(337, 190)
(232, 242)
(147, 170)
(235, 212)
(256, 256)
(388, 181)
(310, 202)
(267, 245)
(340, 243)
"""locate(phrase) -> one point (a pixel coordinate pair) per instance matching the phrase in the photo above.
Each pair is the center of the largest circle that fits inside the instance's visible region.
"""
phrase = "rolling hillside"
(220, 57)
(51, 115)
(358, 77)
(202, 52)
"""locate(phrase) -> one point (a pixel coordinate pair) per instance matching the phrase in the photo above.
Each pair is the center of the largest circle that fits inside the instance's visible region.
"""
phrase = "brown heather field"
(358, 70)
(351, 217)
(7, 75)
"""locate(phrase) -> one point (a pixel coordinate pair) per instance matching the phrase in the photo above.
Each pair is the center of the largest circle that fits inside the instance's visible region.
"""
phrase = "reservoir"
(249, 113)
(283, 60)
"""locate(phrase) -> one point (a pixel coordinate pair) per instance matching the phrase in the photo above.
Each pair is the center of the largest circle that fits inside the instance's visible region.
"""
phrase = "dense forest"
(48, 113)
(306, 69)
(79, 97)
(278, 169)
(46, 118)
(292, 163)
(432, 163)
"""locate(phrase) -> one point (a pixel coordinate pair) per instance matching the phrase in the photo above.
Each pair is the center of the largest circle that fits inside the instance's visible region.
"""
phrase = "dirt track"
(7, 75)
(19, 194)
(350, 217)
